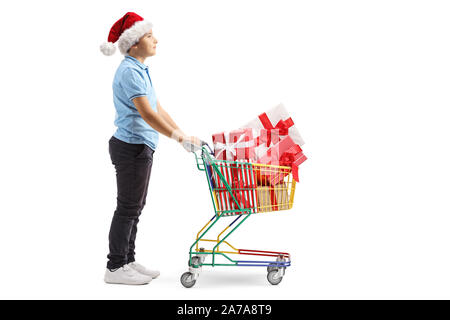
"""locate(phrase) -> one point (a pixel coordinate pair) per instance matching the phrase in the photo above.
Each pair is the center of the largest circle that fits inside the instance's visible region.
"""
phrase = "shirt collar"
(137, 62)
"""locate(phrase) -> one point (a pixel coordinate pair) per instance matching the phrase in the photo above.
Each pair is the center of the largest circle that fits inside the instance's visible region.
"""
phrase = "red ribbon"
(293, 157)
(282, 125)
(268, 137)
(273, 199)
(242, 196)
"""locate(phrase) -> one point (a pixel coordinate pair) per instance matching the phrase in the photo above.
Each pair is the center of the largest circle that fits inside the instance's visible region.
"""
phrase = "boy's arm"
(193, 140)
(156, 120)
(167, 117)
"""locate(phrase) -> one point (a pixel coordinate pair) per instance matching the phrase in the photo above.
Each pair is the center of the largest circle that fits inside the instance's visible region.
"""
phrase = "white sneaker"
(143, 270)
(126, 275)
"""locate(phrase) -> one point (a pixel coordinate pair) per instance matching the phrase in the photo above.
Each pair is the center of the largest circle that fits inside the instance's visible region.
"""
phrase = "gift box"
(222, 151)
(240, 145)
(242, 183)
(264, 139)
(271, 174)
(285, 153)
(272, 198)
(277, 118)
(243, 144)
(245, 197)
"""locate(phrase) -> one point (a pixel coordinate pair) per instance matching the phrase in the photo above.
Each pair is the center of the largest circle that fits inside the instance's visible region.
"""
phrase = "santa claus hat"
(126, 32)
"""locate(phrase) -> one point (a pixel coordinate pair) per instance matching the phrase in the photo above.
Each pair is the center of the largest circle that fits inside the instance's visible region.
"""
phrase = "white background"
(366, 82)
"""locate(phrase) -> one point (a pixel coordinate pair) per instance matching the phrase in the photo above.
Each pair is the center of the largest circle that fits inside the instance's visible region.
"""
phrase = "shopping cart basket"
(239, 189)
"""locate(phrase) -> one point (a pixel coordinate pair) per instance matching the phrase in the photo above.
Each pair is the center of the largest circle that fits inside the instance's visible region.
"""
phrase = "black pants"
(133, 163)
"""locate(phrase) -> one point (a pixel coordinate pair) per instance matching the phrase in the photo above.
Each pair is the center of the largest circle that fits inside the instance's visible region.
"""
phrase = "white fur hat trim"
(132, 35)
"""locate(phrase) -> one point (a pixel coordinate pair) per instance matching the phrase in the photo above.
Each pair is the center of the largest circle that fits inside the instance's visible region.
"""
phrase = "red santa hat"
(126, 32)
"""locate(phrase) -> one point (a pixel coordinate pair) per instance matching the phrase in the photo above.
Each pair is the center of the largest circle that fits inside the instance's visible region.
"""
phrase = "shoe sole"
(128, 284)
(150, 276)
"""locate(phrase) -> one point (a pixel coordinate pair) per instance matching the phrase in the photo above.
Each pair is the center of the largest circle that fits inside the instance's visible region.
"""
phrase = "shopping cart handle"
(194, 147)
(206, 144)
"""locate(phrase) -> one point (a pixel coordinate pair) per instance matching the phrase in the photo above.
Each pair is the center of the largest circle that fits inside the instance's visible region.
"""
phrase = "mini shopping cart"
(239, 189)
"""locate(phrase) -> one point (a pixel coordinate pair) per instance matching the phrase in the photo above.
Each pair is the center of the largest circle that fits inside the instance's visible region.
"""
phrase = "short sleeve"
(133, 84)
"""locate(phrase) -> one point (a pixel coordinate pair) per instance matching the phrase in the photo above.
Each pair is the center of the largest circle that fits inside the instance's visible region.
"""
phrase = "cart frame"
(275, 268)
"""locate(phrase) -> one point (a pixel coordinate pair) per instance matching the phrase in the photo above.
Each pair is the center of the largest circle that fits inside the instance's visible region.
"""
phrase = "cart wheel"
(187, 280)
(273, 277)
(195, 261)
(271, 268)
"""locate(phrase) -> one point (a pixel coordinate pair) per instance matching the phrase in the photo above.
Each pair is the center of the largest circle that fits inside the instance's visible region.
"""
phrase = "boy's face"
(146, 47)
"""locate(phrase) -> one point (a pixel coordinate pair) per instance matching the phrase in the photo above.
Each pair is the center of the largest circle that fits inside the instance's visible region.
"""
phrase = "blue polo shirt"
(132, 80)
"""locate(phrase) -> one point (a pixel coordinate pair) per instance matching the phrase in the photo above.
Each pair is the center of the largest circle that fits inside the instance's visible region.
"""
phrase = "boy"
(139, 118)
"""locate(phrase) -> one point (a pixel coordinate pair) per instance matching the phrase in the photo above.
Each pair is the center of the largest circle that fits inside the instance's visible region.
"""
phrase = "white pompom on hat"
(126, 32)
(108, 48)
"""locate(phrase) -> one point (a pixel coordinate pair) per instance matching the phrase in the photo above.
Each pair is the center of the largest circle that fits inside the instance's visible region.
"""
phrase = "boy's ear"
(133, 46)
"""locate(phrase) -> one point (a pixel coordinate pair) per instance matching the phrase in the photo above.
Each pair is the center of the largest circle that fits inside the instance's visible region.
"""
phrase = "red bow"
(293, 157)
(282, 125)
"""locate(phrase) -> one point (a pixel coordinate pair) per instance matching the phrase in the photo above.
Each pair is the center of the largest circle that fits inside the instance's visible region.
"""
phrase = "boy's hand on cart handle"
(192, 144)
